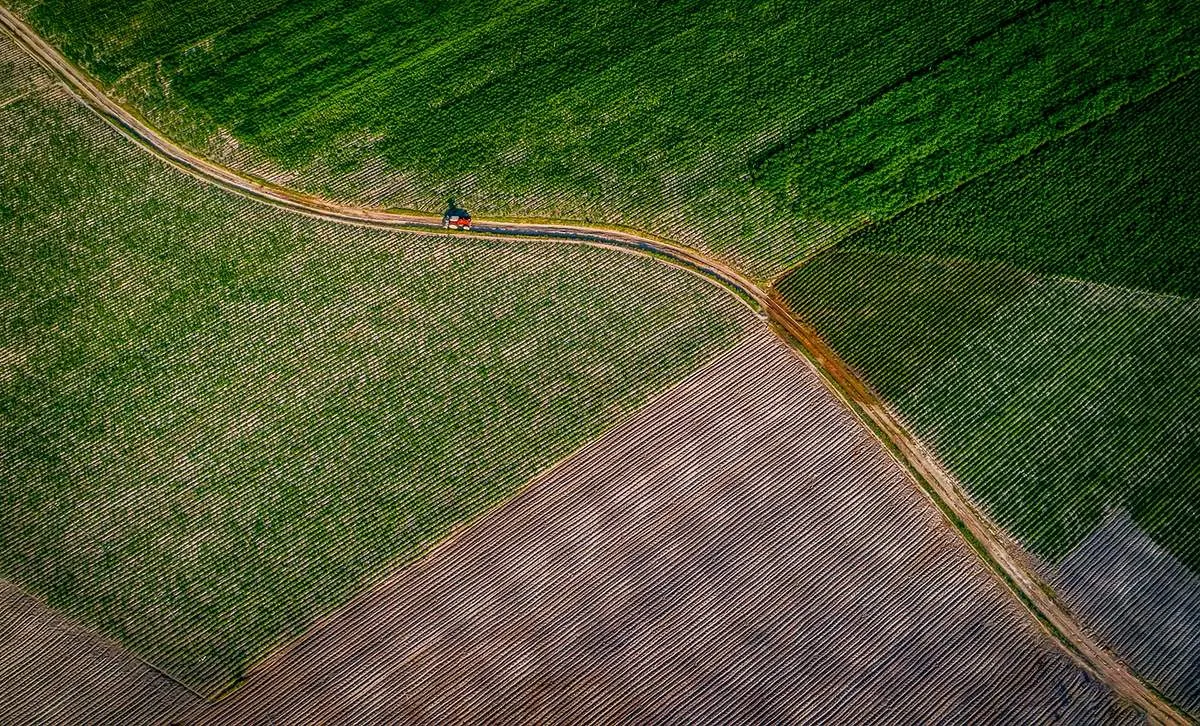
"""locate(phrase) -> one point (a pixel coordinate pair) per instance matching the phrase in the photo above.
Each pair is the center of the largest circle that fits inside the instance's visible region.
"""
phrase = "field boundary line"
(839, 244)
(1005, 265)
(138, 131)
(108, 642)
(983, 536)
(6, 102)
(462, 529)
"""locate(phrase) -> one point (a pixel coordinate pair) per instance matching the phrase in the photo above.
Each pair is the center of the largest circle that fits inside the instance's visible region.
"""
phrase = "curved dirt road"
(986, 538)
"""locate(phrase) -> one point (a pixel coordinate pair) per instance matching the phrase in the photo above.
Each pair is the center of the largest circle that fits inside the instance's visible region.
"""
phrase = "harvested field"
(53, 671)
(1140, 599)
(740, 550)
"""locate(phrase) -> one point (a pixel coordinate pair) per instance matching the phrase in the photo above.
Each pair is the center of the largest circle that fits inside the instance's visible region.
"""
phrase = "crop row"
(1138, 597)
(739, 550)
(1052, 401)
(19, 72)
(1059, 403)
(1035, 76)
(753, 131)
(220, 420)
(57, 672)
(1112, 203)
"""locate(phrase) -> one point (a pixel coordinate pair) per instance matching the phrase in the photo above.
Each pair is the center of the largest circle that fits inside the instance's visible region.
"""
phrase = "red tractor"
(456, 218)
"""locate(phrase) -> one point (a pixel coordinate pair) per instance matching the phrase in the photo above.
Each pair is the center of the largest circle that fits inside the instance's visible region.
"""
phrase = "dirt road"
(986, 538)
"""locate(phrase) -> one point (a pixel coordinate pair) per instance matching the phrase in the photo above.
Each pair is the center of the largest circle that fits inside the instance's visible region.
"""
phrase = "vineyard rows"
(752, 131)
(739, 550)
(221, 419)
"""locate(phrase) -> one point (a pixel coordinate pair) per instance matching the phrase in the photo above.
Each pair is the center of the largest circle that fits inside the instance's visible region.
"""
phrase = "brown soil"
(741, 550)
(54, 671)
(984, 537)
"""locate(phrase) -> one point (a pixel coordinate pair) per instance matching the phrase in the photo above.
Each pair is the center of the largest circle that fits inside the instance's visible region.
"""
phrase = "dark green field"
(761, 131)
(1052, 399)
(1114, 203)
(219, 420)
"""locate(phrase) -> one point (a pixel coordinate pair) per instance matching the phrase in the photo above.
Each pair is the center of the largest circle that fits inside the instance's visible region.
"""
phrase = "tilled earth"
(695, 564)
(53, 671)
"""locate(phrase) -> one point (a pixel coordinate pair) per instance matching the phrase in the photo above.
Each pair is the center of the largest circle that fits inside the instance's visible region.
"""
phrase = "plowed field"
(54, 671)
(740, 550)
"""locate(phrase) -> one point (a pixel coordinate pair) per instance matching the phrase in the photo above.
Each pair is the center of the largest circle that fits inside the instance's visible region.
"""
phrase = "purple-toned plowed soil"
(740, 550)
(1145, 602)
(54, 672)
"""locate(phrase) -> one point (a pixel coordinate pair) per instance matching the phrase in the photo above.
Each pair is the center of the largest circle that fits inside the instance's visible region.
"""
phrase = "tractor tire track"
(987, 539)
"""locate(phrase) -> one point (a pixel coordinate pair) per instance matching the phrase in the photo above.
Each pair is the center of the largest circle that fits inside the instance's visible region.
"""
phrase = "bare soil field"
(1135, 595)
(53, 671)
(220, 420)
(739, 550)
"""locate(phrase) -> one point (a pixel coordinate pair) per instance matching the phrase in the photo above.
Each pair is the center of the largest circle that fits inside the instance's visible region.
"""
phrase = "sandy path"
(986, 538)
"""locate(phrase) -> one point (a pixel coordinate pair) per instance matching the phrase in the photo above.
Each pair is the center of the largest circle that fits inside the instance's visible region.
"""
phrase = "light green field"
(760, 131)
(219, 420)
(1051, 399)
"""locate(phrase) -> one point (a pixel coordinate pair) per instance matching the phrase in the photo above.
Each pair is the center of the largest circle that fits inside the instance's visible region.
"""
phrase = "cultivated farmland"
(1141, 599)
(1113, 203)
(1055, 401)
(1050, 399)
(219, 420)
(979, 355)
(19, 73)
(759, 131)
(53, 671)
(739, 551)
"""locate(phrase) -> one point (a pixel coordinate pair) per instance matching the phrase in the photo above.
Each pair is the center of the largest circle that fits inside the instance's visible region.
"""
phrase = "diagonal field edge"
(983, 536)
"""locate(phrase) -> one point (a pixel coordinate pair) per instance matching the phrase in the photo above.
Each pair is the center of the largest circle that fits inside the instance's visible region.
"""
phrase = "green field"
(1051, 398)
(1114, 203)
(16, 69)
(219, 420)
(761, 131)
